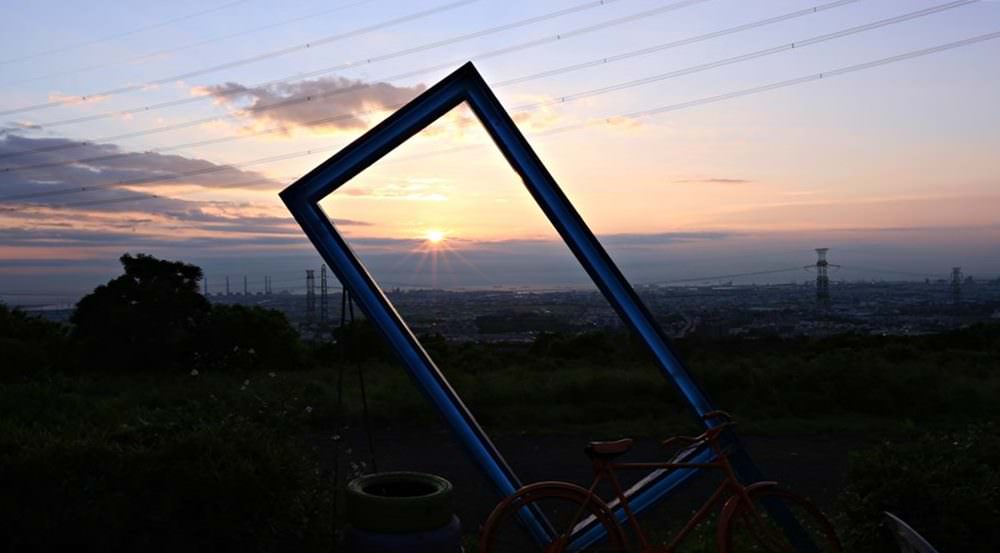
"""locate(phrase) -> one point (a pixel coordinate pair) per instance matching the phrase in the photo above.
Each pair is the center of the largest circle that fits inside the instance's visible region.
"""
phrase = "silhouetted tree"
(28, 344)
(241, 337)
(360, 340)
(144, 319)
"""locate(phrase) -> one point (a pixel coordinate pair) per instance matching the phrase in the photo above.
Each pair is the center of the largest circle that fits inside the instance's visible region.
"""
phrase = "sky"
(697, 138)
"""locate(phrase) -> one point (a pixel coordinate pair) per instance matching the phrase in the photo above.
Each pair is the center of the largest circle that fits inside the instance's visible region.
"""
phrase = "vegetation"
(145, 319)
(29, 344)
(236, 337)
(160, 422)
(227, 486)
(153, 317)
(945, 485)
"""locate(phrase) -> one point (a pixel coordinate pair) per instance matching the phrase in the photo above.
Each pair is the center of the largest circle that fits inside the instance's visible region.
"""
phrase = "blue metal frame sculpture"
(466, 85)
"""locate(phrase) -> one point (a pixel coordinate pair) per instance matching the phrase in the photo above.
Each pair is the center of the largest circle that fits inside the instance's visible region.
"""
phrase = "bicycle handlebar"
(717, 414)
(708, 435)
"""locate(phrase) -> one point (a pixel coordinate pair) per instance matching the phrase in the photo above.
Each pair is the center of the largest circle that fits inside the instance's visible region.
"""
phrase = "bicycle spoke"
(778, 522)
(509, 534)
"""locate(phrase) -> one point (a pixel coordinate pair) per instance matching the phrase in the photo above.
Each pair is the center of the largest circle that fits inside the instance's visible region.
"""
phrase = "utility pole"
(245, 286)
(310, 295)
(323, 304)
(227, 285)
(956, 284)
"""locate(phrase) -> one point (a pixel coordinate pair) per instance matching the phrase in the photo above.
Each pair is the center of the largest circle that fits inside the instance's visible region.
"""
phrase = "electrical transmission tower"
(323, 303)
(956, 284)
(227, 285)
(245, 290)
(267, 285)
(310, 295)
(822, 277)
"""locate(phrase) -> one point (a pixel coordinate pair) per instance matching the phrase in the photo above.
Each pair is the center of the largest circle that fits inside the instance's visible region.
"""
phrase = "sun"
(435, 236)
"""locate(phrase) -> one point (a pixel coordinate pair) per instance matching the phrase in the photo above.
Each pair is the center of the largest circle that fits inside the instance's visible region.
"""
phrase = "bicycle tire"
(565, 505)
(740, 530)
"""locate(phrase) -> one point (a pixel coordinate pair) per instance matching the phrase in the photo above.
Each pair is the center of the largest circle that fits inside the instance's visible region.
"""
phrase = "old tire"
(399, 502)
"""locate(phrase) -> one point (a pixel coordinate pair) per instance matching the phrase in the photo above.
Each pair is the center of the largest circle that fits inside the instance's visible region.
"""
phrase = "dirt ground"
(811, 465)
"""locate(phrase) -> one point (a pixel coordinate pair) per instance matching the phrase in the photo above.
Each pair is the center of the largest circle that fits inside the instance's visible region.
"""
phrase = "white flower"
(246, 382)
(309, 409)
(194, 372)
(271, 374)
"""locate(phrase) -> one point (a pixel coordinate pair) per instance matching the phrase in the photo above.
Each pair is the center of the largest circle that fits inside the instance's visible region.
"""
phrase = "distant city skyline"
(185, 137)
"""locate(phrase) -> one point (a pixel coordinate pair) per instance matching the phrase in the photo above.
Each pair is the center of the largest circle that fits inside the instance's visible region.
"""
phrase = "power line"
(757, 54)
(562, 99)
(303, 76)
(174, 50)
(175, 176)
(736, 59)
(121, 34)
(610, 119)
(259, 57)
(796, 81)
(141, 196)
(720, 277)
(891, 271)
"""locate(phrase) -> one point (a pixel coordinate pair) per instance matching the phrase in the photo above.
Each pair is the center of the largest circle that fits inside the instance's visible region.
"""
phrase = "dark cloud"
(336, 101)
(618, 241)
(40, 165)
(136, 237)
(134, 218)
(535, 247)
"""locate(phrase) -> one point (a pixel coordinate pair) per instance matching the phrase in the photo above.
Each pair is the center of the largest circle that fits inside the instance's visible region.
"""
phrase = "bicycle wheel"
(775, 521)
(565, 506)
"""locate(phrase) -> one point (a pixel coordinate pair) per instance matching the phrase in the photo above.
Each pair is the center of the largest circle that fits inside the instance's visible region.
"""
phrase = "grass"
(238, 442)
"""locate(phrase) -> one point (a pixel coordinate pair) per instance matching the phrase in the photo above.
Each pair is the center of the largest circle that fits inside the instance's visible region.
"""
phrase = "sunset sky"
(184, 120)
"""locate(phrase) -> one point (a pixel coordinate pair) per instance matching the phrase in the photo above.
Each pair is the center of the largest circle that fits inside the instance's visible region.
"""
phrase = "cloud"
(130, 217)
(405, 191)
(71, 100)
(539, 246)
(337, 102)
(718, 180)
(643, 240)
(895, 212)
(43, 165)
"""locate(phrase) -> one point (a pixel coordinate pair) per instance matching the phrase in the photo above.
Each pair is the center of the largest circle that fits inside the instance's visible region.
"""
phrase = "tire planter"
(393, 512)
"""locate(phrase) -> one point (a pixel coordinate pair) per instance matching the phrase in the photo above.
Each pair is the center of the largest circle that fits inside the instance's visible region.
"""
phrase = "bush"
(223, 488)
(946, 486)
(237, 337)
(29, 344)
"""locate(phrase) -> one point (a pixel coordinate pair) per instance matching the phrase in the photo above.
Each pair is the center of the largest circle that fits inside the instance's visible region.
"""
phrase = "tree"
(147, 318)
(29, 344)
(241, 337)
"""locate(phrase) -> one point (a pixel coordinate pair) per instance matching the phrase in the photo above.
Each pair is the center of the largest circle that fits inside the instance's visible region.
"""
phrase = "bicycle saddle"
(608, 450)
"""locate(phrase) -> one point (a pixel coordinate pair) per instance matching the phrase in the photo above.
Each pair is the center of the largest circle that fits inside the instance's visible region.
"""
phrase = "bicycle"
(756, 517)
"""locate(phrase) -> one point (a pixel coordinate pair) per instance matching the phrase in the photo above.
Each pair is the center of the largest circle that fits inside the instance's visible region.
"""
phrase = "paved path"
(813, 466)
